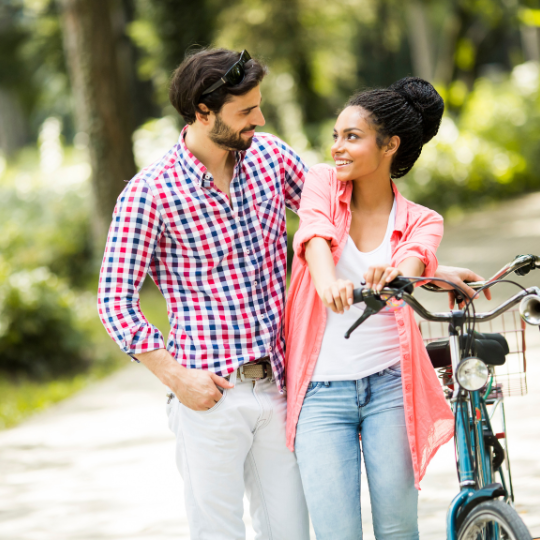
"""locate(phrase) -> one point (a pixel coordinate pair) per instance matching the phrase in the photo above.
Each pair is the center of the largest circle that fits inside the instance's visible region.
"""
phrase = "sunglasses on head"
(235, 75)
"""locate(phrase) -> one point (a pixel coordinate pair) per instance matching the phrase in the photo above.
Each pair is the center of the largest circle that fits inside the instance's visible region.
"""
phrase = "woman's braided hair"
(411, 109)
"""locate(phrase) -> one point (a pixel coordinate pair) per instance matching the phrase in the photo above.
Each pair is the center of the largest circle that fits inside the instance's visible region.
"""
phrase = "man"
(207, 222)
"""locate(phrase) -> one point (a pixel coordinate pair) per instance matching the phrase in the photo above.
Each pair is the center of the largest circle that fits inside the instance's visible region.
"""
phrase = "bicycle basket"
(511, 378)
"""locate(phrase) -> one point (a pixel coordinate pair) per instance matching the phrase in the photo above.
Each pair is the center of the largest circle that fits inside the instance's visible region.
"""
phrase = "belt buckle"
(241, 373)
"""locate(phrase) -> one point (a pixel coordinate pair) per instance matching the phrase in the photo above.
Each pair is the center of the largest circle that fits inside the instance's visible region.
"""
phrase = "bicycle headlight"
(472, 374)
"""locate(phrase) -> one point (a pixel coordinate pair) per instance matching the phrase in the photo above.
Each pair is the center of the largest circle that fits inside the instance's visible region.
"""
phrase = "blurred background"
(83, 106)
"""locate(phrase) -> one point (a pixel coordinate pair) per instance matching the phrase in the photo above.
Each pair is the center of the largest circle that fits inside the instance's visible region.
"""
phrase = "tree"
(419, 39)
(163, 31)
(13, 75)
(102, 102)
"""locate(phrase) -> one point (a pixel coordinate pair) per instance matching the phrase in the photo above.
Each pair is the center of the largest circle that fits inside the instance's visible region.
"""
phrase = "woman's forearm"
(412, 267)
(336, 294)
(320, 263)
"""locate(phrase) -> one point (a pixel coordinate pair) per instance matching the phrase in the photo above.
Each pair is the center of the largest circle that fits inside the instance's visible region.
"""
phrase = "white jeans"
(239, 445)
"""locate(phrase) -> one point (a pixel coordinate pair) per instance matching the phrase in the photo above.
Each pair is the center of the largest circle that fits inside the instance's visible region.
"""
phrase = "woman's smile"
(343, 162)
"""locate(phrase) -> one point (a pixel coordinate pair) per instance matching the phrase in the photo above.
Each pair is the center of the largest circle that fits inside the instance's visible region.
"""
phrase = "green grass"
(22, 398)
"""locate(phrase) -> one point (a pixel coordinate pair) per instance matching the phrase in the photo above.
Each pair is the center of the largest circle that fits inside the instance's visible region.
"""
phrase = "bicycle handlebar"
(361, 295)
(522, 265)
(478, 317)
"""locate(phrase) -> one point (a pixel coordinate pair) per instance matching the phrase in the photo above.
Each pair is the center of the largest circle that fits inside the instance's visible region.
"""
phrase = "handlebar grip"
(402, 283)
(358, 296)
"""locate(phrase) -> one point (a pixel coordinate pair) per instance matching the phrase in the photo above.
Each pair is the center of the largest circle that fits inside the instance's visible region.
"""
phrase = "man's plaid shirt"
(222, 270)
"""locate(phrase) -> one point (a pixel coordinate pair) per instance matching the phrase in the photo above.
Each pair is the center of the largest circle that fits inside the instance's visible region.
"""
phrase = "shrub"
(41, 332)
(489, 152)
(45, 219)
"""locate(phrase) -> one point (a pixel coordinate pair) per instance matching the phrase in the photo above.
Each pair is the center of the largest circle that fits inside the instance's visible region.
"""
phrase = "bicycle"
(483, 509)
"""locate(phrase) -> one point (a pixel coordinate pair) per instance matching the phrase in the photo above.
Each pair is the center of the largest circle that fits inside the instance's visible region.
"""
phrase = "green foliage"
(164, 30)
(40, 332)
(45, 251)
(46, 218)
(32, 61)
(489, 152)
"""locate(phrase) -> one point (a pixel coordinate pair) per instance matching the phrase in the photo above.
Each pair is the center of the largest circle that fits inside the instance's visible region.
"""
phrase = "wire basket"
(509, 379)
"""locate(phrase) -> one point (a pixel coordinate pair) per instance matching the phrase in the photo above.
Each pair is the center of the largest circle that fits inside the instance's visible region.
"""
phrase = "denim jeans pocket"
(313, 388)
(394, 371)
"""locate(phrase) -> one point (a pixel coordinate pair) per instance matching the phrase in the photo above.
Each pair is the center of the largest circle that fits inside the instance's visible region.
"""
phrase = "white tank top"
(374, 345)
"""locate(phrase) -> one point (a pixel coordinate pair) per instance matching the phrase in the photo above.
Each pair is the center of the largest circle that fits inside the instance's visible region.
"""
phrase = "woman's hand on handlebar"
(338, 295)
(379, 275)
(458, 276)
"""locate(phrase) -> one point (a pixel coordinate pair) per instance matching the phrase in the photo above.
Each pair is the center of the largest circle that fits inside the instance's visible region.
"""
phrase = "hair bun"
(421, 95)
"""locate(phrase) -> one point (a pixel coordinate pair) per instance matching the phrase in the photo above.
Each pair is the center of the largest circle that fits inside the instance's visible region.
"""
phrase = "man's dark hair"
(411, 109)
(201, 70)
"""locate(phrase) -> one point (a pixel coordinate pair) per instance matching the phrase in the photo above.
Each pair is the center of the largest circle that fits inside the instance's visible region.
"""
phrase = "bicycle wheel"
(479, 524)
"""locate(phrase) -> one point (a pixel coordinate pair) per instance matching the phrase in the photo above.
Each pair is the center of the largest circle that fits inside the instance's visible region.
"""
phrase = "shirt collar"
(345, 192)
(401, 210)
(192, 166)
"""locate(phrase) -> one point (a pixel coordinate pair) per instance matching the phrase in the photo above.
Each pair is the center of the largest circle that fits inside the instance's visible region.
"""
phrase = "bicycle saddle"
(490, 348)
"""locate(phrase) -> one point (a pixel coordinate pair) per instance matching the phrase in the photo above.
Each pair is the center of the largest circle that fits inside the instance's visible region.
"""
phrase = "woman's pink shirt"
(325, 212)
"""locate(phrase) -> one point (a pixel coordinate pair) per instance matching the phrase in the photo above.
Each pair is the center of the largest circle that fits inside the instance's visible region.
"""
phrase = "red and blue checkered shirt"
(221, 269)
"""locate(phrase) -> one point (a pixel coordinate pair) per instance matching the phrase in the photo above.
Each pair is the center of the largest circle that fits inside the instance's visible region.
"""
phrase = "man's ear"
(392, 145)
(202, 112)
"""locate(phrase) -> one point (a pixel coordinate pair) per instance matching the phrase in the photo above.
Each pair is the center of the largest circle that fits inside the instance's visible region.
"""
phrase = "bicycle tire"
(510, 524)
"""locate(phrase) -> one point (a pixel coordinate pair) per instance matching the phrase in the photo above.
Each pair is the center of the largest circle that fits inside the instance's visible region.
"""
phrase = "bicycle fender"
(474, 498)
(453, 509)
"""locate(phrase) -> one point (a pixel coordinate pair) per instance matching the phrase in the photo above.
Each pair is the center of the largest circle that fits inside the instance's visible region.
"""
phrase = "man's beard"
(226, 138)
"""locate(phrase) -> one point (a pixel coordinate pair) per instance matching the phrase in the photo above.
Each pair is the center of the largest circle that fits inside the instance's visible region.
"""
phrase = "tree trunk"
(530, 43)
(102, 105)
(12, 123)
(444, 67)
(421, 46)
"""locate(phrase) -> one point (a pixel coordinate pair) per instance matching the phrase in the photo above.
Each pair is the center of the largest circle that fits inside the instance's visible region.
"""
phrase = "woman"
(380, 384)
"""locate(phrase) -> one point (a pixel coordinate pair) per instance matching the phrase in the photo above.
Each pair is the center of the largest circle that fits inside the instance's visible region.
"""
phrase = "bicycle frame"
(472, 421)
(474, 462)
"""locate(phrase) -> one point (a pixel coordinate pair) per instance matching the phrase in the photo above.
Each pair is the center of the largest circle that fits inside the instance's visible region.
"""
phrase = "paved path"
(100, 465)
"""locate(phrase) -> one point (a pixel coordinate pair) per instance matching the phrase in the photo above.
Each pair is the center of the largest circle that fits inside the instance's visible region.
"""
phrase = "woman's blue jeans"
(328, 453)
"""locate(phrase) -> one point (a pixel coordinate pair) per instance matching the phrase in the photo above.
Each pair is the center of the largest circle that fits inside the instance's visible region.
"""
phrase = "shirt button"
(408, 387)
(406, 356)
(248, 251)
(270, 348)
(255, 283)
(400, 322)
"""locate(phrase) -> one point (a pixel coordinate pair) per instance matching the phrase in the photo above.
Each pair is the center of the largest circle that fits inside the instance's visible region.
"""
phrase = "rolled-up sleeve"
(316, 211)
(422, 242)
(294, 173)
(134, 233)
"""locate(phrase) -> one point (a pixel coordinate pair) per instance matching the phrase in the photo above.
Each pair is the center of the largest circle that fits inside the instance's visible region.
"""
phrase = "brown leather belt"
(256, 370)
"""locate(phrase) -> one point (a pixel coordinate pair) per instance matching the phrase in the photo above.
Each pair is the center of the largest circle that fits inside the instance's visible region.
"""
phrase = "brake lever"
(374, 304)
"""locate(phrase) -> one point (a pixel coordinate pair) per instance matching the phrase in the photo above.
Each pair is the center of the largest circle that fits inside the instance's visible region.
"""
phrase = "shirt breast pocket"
(271, 215)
